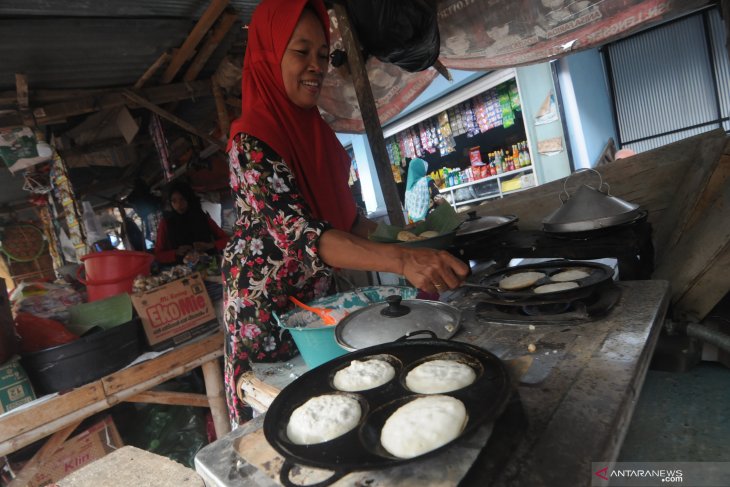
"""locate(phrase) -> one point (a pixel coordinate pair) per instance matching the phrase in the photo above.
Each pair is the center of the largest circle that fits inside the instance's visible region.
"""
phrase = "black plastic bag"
(404, 32)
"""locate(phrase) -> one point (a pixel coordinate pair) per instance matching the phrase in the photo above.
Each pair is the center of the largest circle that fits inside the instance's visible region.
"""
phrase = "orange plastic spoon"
(321, 312)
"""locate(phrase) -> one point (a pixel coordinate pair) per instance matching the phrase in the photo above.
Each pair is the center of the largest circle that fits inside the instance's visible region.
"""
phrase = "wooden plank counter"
(56, 413)
(576, 397)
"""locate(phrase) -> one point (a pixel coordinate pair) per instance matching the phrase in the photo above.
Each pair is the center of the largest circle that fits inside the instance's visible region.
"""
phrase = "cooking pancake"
(558, 286)
(323, 418)
(521, 280)
(438, 376)
(570, 275)
(406, 236)
(423, 425)
(361, 376)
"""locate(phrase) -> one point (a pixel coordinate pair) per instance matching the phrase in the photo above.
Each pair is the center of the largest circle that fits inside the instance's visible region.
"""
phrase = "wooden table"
(576, 393)
(58, 416)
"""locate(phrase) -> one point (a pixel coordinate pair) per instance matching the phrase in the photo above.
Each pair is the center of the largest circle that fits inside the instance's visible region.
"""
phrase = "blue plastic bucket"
(316, 341)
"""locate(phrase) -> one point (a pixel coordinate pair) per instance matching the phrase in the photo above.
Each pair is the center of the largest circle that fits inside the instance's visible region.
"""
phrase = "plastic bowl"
(315, 340)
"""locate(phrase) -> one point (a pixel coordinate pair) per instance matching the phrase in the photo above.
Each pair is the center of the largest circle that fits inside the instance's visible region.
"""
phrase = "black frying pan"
(599, 274)
(360, 449)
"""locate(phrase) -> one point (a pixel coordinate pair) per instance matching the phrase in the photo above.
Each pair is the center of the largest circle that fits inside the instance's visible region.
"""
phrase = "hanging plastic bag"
(404, 33)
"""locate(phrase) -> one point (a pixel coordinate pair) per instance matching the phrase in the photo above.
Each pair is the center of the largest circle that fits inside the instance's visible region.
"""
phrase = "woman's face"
(178, 203)
(305, 61)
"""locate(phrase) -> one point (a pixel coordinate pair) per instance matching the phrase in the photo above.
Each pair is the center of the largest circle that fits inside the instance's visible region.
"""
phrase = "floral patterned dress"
(272, 255)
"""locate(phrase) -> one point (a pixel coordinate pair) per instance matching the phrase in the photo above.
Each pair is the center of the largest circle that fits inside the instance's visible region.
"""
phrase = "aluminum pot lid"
(387, 321)
(476, 224)
(589, 208)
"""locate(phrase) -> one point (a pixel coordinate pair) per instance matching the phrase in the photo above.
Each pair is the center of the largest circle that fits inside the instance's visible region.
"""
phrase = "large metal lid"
(388, 321)
(477, 224)
(589, 209)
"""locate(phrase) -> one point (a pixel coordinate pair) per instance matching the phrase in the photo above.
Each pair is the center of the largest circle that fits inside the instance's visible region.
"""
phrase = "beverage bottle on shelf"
(526, 154)
(516, 156)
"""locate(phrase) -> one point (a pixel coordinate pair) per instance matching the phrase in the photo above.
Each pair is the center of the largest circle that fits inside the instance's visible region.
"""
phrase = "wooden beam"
(21, 88)
(370, 117)
(220, 108)
(105, 145)
(9, 99)
(163, 59)
(141, 101)
(214, 39)
(196, 35)
(49, 448)
(58, 112)
(171, 398)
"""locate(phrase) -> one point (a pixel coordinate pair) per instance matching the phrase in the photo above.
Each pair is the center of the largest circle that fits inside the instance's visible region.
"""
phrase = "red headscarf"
(301, 137)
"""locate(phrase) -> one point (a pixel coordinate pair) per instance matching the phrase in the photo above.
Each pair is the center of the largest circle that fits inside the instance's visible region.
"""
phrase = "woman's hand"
(433, 270)
(428, 269)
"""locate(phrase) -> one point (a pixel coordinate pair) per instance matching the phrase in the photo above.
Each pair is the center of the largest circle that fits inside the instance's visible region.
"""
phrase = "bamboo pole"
(370, 117)
(216, 397)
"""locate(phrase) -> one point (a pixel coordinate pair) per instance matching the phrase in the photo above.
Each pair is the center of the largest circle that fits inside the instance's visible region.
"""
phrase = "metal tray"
(360, 449)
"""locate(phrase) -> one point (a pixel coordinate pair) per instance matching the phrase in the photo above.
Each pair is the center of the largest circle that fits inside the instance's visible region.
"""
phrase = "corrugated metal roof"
(97, 44)
(118, 9)
(91, 44)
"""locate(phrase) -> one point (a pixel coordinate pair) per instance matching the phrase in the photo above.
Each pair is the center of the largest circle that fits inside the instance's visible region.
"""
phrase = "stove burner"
(571, 311)
(545, 309)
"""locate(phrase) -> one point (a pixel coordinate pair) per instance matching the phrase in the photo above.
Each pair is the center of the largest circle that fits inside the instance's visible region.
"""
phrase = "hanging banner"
(481, 35)
(393, 89)
(491, 34)
(63, 193)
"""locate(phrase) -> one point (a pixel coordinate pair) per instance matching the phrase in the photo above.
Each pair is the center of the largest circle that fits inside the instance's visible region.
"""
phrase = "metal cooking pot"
(394, 318)
(589, 208)
(360, 449)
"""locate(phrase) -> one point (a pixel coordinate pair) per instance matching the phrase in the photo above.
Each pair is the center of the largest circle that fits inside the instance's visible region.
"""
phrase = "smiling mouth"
(315, 85)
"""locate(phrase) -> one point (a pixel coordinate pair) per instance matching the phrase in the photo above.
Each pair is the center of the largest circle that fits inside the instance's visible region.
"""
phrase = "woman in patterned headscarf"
(421, 191)
(296, 218)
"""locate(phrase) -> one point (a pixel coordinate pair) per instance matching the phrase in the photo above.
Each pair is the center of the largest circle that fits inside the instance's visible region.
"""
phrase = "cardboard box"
(15, 388)
(175, 312)
(78, 451)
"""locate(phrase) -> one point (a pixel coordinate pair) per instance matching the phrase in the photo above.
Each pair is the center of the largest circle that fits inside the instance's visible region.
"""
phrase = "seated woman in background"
(421, 192)
(187, 228)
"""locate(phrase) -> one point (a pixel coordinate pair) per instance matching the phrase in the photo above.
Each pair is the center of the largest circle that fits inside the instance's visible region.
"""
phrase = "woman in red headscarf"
(296, 216)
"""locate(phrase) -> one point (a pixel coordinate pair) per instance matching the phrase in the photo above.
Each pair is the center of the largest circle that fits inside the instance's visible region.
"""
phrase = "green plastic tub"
(314, 339)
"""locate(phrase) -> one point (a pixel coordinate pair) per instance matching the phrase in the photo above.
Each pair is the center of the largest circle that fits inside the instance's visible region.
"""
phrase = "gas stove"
(630, 244)
(597, 304)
